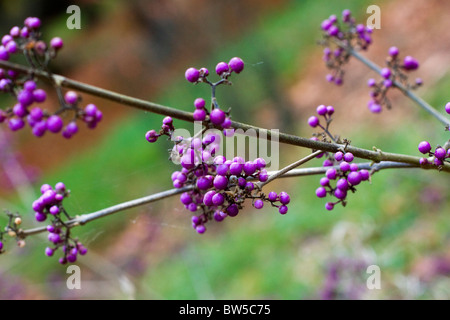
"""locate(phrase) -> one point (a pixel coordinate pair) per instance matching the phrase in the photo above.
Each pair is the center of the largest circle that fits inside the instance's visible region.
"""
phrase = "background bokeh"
(141, 48)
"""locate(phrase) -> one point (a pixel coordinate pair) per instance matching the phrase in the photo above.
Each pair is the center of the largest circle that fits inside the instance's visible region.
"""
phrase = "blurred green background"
(399, 221)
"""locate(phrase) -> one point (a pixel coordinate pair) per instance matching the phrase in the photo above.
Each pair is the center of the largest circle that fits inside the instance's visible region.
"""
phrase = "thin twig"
(289, 168)
(409, 93)
(85, 218)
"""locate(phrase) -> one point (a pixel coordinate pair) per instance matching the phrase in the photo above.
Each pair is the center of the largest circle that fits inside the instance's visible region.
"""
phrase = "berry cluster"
(27, 41)
(394, 72)
(219, 186)
(50, 204)
(436, 157)
(12, 230)
(337, 34)
(346, 174)
(216, 117)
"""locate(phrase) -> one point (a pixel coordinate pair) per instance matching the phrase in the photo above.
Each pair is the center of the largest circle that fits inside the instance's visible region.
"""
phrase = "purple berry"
(29, 85)
(39, 95)
(220, 182)
(354, 178)
(25, 98)
(344, 166)
(192, 75)
(365, 175)
(236, 168)
(199, 115)
(348, 157)
(203, 183)
(283, 209)
(249, 168)
(440, 153)
(324, 181)
(342, 184)
(199, 103)
(236, 64)
(204, 72)
(54, 124)
(222, 67)
(331, 173)
(423, 161)
(258, 204)
(40, 217)
(185, 198)
(200, 229)
(330, 110)
(340, 194)
(409, 63)
(49, 252)
(284, 197)
(249, 186)
(313, 121)
(217, 116)
(4, 55)
(333, 31)
(272, 196)
(219, 216)
(393, 52)
(424, 147)
(447, 107)
(371, 83)
(233, 210)
(56, 43)
(329, 205)
(16, 124)
(54, 210)
(263, 175)
(338, 156)
(326, 24)
(321, 110)
(260, 163)
(207, 198)
(321, 192)
(192, 207)
(20, 110)
(71, 97)
(385, 73)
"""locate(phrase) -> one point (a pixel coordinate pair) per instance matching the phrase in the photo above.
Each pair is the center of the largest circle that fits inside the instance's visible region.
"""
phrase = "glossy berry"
(284, 197)
(56, 43)
(447, 107)
(283, 209)
(424, 147)
(348, 157)
(199, 103)
(440, 153)
(192, 75)
(236, 64)
(217, 116)
(329, 206)
(71, 97)
(409, 63)
(385, 73)
(338, 156)
(221, 68)
(199, 115)
(393, 52)
(54, 124)
(321, 192)
(321, 110)
(313, 121)
(258, 204)
(354, 178)
(272, 196)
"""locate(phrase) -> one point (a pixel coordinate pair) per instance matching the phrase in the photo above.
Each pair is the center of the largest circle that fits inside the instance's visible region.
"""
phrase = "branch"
(288, 168)
(375, 156)
(407, 92)
(85, 218)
